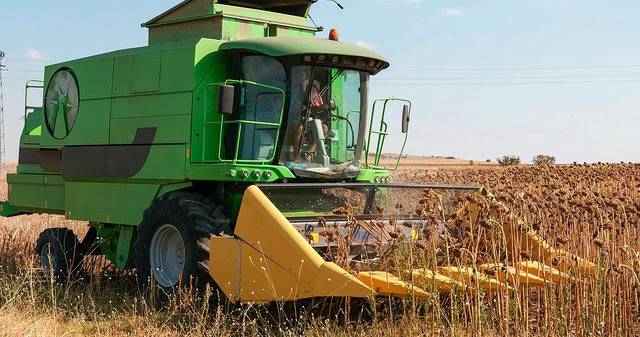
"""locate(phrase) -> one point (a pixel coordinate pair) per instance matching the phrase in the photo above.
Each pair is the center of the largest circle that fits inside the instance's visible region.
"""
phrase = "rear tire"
(172, 244)
(60, 254)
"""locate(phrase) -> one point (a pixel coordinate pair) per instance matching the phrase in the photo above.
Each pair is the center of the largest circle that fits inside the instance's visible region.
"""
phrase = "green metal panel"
(7, 210)
(94, 75)
(233, 173)
(26, 190)
(152, 105)
(108, 239)
(36, 132)
(170, 129)
(124, 252)
(91, 127)
(210, 67)
(122, 73)
(177, 68)
(165, 162)
(145, 77)
(87, 201)
(32, 127)
(209, 127)
(30, 169)
(207, 62)
(370, 175)
(127, 202)
(118, 203)
(54, 192)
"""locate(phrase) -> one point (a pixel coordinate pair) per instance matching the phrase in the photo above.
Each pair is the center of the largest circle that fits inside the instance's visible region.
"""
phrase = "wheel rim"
(45, 258)
(167, 255)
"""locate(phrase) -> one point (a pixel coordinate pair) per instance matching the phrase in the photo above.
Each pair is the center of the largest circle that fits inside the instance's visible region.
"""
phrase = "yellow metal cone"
(473, 279)
(543, 271)
(511, 275)
(269, 260)
(388, 285)
(434, 280)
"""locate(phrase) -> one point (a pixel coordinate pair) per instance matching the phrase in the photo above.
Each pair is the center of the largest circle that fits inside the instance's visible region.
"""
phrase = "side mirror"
(226, 97)
(406, 117)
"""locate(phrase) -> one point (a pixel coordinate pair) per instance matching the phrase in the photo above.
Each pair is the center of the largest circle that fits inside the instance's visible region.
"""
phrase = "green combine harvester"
(221, 152)
(156, 146)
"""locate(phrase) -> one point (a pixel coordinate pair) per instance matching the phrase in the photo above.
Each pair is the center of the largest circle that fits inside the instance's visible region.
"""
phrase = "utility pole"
(2, 136)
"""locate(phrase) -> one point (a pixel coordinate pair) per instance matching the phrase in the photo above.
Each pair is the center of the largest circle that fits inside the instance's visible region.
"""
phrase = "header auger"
(234, 150)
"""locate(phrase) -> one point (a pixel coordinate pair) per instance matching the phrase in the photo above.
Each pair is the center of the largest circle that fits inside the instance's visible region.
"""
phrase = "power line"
(24, 71)
(28, 60)
(518, 68)
(462, 84)
(23, 78)
(503, 77)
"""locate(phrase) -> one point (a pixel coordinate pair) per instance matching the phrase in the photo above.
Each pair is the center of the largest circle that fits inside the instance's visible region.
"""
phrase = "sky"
(486, 77)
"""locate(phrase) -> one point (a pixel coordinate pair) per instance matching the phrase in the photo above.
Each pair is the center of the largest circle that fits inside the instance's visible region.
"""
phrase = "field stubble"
(592, 211)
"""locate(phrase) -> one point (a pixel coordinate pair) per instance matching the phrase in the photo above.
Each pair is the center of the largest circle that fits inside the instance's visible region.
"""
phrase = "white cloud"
(365, 44)
(453, 12)
(34, 54)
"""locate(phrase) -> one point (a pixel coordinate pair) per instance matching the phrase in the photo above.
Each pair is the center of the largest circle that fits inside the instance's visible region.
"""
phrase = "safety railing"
(382, 133)
(32, 84)
(243, 123)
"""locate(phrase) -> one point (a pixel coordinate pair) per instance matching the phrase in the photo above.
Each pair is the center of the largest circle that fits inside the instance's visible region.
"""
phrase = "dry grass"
(589, 210)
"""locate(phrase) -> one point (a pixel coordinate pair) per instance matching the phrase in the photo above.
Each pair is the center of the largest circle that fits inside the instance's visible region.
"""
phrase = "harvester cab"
(299, 103)
(236, 149)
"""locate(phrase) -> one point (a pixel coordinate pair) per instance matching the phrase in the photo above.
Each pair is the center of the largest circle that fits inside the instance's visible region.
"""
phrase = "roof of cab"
(293, 45)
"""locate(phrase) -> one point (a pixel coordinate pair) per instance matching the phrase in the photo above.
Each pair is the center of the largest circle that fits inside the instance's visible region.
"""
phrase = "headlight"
(256, 174)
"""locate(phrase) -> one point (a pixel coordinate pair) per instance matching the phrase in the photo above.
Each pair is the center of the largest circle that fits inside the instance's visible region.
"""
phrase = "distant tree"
(508, 160)
(543, 159)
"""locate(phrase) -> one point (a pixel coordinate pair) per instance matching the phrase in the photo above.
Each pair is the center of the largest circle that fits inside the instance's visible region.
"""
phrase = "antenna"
(2, 136)
(337, 3)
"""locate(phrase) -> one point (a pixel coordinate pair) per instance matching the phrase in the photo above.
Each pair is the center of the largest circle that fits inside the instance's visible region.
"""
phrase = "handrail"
(382, 133)
(222, 122)
(31, 84)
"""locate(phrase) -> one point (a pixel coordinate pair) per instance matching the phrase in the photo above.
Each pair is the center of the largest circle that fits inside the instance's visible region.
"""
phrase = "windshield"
(324, 133)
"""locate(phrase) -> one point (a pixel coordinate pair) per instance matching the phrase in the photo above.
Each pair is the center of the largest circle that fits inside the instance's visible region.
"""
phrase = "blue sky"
(487, 78)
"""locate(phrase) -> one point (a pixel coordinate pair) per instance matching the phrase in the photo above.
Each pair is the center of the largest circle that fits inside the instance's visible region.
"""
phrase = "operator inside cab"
(306, 139)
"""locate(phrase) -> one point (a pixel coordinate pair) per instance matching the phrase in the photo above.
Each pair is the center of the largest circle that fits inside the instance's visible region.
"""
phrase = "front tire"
(171, 248)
